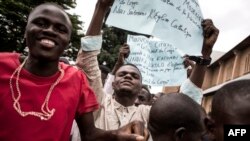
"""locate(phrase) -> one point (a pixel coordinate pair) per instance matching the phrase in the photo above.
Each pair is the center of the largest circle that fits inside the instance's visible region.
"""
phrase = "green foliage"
(113, 38)
(13, 18)
(72, 51)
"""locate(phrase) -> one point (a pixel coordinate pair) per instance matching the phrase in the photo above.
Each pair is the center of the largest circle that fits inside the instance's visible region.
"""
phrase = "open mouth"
(47, 43)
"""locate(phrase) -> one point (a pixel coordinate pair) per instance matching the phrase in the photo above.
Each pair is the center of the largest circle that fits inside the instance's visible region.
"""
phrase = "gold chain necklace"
(46, 113)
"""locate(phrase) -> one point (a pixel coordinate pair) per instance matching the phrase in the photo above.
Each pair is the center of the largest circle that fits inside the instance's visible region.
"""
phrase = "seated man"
(182, 119)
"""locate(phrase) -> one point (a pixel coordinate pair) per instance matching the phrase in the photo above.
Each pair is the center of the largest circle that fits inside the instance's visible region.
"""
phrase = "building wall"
(245, 62)
(232, 66)
(228, 69)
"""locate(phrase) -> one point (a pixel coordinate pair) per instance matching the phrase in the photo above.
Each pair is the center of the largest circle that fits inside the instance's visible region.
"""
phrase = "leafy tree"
(13, 15)
(113, 38)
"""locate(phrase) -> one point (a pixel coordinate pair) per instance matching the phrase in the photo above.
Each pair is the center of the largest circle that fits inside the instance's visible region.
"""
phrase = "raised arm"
(192, 87)
(123, 53)
(90, 48)
(210, 33)
(101, 8)
(87, 61)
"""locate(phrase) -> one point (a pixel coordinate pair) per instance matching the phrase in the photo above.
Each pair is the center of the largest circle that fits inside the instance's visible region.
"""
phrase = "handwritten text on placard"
(175, 21)
(159, 62)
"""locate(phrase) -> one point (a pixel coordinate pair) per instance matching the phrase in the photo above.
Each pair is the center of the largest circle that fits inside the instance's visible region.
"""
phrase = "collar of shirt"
(122, 108)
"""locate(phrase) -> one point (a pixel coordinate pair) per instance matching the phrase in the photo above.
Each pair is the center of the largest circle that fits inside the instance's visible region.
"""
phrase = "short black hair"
(179, 111)
(133, 65)
(55, 5)
(48, 3)
(227, 95)
(145, 87)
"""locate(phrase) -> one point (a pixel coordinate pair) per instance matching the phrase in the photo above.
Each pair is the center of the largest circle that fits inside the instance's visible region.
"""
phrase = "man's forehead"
(128, 68)
(51, 10)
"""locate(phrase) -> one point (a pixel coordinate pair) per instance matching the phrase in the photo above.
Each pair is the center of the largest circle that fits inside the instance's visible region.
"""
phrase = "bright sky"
(231, 17)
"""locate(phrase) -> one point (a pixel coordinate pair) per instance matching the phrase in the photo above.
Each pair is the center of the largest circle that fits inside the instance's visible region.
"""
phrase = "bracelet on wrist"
(200, 60)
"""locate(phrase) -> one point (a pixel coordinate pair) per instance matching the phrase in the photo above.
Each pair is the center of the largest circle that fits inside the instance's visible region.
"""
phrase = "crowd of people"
(44, 98)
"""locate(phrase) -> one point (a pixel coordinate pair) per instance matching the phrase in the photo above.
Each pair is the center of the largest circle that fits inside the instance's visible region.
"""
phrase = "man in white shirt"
(118, 110)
